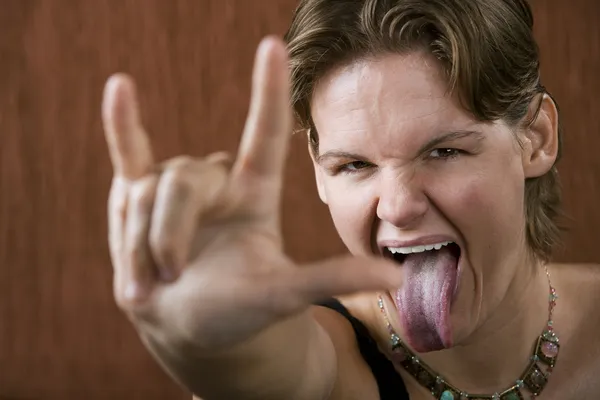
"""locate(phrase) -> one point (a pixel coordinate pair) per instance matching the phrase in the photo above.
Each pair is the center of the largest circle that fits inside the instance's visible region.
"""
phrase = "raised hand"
(196, 243)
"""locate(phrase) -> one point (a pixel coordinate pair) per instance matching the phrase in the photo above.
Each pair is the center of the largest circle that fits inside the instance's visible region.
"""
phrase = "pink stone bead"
(399, 355)
(550, 349)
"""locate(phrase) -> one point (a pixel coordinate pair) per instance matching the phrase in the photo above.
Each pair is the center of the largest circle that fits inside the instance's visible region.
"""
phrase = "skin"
(187, 233)
(383, 180)
(184, 233)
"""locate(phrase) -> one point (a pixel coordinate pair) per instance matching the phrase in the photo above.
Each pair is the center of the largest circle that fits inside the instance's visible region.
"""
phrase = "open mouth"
(425, 300)
(399, 254)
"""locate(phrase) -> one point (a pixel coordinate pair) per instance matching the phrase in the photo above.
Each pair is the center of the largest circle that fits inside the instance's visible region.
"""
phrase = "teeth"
(417, 249)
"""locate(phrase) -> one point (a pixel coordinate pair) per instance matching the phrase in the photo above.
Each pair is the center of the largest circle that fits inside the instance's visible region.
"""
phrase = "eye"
(447, 153)
(354, 166)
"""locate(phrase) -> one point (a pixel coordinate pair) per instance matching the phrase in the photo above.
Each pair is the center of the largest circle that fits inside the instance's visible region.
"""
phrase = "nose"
(402, 203)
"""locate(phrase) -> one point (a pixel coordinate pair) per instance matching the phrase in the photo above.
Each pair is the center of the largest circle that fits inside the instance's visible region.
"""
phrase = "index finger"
(263, 149)
(128, 144)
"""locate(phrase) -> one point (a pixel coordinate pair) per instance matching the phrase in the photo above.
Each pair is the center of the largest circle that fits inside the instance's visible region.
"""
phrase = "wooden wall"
(61, 336)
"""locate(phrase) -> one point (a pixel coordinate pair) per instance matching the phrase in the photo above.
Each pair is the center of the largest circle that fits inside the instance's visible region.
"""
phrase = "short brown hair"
(486, 48)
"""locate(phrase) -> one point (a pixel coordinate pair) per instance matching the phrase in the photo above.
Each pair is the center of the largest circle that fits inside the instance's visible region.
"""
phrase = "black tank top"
(389, 382)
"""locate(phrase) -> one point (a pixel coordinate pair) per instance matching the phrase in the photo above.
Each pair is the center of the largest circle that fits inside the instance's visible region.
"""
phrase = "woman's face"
(401, 164)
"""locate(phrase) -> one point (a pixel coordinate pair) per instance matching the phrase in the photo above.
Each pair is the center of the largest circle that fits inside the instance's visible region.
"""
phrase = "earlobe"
(541, 141)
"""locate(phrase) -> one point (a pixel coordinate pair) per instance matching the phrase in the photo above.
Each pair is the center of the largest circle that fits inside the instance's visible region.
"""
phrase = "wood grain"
(61, 336)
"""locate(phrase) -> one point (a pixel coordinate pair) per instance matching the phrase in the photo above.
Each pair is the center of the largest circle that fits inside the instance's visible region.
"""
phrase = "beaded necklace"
(534, 378)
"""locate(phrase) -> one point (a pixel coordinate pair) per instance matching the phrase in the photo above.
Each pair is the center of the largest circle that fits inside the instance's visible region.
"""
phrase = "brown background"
(61, 336)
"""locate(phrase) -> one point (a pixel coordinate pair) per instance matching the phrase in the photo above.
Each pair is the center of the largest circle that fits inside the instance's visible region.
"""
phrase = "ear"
(540, 139)
(318, 173)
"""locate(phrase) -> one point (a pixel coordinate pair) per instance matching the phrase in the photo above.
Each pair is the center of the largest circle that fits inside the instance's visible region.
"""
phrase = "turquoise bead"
(447, 395)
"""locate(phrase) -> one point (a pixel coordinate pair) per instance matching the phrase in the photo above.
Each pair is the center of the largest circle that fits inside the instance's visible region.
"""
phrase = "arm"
(293, 360)
(198, 257)
(351, 376)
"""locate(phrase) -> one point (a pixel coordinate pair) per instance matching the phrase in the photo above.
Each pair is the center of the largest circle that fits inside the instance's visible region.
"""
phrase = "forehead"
(399, 91)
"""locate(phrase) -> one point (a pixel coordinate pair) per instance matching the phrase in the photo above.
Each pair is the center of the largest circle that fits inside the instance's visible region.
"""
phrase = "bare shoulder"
(577, 312)
(579, 269)
(578, 287)
(354, 377)
(577, 321)
(581, 278)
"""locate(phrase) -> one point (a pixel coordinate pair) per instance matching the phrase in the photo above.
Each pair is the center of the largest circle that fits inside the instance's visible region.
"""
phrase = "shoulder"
(578, 287)
(578, 269)
(354, 377)
(578, 323)
(578, 278)
(577, 312)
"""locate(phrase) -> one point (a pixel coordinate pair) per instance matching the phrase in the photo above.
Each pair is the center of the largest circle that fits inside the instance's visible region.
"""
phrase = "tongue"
(425, 298)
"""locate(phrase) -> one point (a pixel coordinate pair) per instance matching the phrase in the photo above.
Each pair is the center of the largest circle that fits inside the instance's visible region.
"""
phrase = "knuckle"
(163, 247)
(142, 196)
(119, 206)
(123, 302)
(117, 200)
(179, 183)
(180, 162)
(135, 308)
(116, 249)
(137, 257)
(188, 177)
(221, 160)
(277, 293)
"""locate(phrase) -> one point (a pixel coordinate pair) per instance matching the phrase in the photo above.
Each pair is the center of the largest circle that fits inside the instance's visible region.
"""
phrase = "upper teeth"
(417, 249)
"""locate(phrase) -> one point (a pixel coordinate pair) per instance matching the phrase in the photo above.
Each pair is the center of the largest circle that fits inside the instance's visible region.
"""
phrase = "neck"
(496, 354)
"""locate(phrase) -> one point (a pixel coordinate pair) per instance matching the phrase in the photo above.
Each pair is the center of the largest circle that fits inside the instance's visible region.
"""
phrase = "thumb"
(341, 276)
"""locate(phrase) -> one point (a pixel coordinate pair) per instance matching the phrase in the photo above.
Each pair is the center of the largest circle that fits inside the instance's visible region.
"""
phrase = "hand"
(196, 243)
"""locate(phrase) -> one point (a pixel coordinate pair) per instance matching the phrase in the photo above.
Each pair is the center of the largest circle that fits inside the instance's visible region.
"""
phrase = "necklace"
(534, 378)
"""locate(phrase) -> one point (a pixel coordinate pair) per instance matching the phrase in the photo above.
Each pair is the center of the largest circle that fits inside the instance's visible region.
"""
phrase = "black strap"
(391, 386)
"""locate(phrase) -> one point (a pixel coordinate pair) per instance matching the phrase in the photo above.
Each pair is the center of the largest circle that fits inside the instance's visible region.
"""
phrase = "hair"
(486, 49)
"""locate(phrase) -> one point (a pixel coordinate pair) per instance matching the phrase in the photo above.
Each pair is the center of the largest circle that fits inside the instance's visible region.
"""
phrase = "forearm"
(293, 360)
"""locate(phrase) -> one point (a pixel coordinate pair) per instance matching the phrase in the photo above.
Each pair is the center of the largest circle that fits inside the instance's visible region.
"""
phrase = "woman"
(434, 145)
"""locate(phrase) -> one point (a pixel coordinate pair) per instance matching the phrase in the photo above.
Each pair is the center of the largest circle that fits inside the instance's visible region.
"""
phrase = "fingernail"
(167, 274)
(135, 292)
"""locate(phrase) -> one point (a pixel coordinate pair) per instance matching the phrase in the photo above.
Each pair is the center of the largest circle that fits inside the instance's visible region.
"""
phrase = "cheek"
(486, 207)
(351, 208)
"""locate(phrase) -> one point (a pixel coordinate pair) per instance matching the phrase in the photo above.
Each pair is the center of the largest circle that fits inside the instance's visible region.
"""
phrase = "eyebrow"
(337, 154)
(430, 145)
(450, 136)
